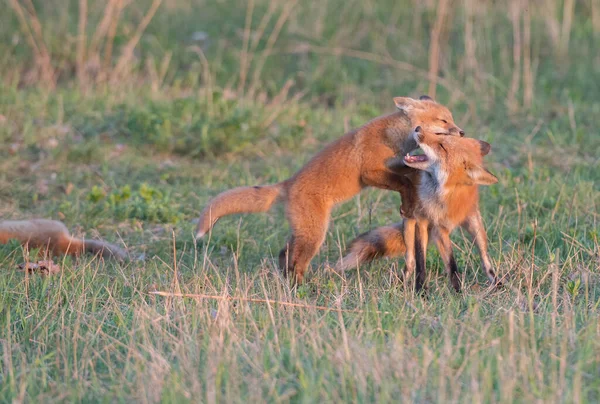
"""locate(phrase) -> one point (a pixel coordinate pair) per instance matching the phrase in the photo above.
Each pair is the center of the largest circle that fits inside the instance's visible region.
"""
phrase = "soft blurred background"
(122, 118)
(488, 58)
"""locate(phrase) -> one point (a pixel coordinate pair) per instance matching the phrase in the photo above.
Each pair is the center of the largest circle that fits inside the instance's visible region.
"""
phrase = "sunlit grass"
(134, 161)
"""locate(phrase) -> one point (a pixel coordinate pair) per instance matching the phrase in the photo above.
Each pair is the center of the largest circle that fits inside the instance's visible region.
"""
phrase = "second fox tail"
(238, 200)
(386, 241)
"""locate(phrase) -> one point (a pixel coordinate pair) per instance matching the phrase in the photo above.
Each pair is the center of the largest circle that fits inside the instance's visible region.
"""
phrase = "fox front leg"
(408, 191)
(385, 179)
(421, 243)
(474, 226)
(444, 246)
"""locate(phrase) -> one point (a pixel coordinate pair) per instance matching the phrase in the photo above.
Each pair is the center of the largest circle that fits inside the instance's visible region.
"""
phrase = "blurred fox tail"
(386, 241)
(239, 200)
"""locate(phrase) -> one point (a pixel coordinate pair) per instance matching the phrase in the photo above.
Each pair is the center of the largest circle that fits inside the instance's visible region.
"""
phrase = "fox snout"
(418, 134)
(456, 130)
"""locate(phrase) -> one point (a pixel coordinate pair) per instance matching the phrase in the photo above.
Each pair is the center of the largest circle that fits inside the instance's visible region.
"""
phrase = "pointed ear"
(426, 98)
(485, 147)
(481, 176)
(405, 104)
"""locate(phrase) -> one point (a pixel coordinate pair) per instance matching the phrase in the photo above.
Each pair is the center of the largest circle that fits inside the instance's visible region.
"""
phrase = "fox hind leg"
(309, 222)
(305, 248)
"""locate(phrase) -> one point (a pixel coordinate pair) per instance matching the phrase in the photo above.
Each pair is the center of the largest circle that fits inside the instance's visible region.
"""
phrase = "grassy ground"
(218, 94)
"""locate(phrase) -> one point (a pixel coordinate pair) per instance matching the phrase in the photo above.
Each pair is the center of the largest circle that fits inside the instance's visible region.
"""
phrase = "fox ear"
(426, 98)
(485, 147)
(405, 104)
(481, 176)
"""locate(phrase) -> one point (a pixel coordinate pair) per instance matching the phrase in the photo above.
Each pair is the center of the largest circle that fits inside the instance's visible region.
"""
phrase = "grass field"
(123, 118)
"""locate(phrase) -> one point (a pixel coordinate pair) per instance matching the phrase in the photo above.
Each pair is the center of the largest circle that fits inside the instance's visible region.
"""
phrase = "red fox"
(339, 172)
(54, 236)
(446, 179)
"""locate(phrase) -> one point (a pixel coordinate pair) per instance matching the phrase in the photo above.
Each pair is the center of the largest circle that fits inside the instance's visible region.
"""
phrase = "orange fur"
(446, 185)
(54, 237)
(387, 241)
(337, 173)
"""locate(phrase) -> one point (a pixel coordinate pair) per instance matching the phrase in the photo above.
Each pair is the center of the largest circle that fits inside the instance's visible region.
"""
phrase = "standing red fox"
(339, 172)
(447, 178)
(54, 236)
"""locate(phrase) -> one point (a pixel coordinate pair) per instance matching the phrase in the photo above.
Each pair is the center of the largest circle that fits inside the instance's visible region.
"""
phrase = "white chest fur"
(433, 207)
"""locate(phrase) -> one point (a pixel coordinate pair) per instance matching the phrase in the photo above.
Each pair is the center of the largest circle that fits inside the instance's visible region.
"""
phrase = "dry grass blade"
(157, 73)
(280, 102)
(515, 16)
(379, 59)
(81, 42)
(208, 86)
(264, 301)
(434, 47)
(595, 6)
(528, 74)
(33, 34)
(24, 26)
(567, 22)
(214, 320)
(103, 26)
(283, 17)
(260, 31)
(470, 42)
(244, 55)
(112, 32)
(127, 54)
(551, 20)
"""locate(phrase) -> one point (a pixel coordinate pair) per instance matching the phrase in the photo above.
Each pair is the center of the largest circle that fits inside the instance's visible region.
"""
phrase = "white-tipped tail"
(238, 200)
(347, 262)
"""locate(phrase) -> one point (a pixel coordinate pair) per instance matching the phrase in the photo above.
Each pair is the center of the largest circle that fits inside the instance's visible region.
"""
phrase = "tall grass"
(471, 49)
(122, 118)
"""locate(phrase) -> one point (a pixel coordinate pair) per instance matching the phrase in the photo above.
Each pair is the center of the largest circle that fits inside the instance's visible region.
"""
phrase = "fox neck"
(431, 189)
(442, 199)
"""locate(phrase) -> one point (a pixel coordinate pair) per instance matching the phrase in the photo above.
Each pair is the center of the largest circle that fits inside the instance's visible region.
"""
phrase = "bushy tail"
(52, 234)
(105, 249)
(386, 241)
(238, 200)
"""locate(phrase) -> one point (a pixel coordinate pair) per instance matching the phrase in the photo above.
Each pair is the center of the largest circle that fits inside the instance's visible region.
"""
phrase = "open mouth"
(415, 157)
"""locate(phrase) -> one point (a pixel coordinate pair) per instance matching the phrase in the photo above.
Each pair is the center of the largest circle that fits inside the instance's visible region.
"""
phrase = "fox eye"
(443, 148)
(443, 120)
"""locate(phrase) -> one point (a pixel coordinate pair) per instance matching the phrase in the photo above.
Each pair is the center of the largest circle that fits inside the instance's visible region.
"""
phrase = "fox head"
(451, 159)
(428, 114)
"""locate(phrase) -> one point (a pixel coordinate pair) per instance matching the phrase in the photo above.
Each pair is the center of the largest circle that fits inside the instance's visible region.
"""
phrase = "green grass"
(134, 162)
